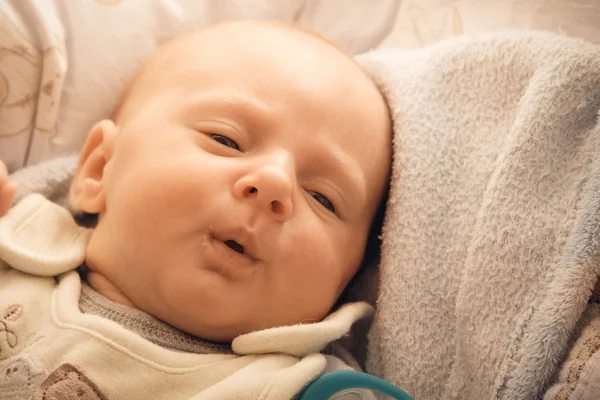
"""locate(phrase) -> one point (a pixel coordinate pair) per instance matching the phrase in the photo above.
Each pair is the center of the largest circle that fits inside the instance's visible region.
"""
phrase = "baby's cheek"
(320, 269)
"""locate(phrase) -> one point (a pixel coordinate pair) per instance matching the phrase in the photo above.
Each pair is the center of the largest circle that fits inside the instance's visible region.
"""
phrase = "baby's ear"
(87, 191)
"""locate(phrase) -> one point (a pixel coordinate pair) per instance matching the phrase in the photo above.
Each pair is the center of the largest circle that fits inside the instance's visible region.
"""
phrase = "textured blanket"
(491, 242)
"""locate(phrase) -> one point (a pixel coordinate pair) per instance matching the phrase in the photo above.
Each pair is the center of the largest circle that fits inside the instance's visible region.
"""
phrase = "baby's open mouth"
(232, 244)
(238, 240)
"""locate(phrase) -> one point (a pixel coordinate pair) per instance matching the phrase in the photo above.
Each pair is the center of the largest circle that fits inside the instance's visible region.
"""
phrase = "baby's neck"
(106, 288)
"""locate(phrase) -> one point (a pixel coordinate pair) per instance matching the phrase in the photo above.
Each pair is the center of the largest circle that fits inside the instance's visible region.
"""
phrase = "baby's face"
(240, 185)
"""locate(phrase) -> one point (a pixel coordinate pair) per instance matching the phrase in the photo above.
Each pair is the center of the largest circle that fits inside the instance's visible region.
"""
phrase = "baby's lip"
(242, 237)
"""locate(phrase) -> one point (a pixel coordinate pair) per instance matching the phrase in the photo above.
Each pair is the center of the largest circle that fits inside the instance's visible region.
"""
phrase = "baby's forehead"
(265, 43)
(181, 51)
(271, 54)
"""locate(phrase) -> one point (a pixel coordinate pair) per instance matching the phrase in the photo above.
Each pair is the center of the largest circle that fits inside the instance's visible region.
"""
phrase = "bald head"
(256, 45)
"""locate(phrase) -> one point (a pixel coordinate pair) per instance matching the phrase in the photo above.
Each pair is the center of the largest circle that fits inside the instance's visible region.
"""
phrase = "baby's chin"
(216, 334)
(213, 328)
(226, 333)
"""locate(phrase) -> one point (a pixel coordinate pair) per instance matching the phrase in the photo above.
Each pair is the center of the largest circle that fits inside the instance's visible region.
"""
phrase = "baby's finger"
(7, 194)
(3, 171)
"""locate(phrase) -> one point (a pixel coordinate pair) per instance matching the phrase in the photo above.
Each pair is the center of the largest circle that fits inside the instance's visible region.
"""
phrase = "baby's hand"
(8, 189)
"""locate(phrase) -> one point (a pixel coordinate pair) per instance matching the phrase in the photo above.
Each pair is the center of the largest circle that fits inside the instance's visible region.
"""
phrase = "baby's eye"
(324, 201)
(225, 141)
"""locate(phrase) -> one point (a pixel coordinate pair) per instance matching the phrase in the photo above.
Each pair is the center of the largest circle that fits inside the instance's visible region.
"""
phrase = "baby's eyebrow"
(345, 170)
(254, 111)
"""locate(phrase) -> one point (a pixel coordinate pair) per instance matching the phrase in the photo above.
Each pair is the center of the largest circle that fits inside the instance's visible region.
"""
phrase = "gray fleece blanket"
(491, 242)
(492, 235)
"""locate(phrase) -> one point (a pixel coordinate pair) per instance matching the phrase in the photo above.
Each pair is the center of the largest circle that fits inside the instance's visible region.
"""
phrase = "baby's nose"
(270, 188)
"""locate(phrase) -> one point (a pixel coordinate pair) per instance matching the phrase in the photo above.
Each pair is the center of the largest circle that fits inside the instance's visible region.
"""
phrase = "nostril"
(250, 191)
(276, 207)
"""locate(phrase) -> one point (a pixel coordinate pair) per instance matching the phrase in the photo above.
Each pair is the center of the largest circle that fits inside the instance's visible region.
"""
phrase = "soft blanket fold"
(492, 232)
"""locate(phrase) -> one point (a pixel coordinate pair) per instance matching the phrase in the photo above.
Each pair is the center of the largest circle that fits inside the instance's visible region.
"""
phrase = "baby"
(235, 190)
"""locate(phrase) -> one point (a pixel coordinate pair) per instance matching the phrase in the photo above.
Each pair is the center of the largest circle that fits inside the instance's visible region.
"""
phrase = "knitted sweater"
(48, 347)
